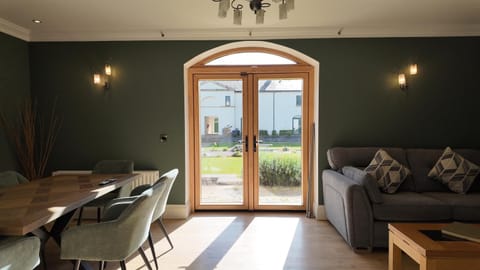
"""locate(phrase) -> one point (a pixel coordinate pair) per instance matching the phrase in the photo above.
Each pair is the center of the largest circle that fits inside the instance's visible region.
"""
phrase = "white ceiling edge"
(14, 30)
(263, 33)
(244, 34)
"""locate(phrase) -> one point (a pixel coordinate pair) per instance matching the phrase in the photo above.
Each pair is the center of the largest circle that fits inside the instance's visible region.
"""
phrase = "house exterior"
(221, 105)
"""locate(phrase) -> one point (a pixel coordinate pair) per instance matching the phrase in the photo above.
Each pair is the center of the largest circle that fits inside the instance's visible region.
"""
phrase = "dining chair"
(124, 229)
(11, 178)
(108, 167)
(168, 178)
(19, 253)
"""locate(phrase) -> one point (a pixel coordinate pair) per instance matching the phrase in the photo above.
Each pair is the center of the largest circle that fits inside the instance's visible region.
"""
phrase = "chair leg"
(122, 265)
(147, 263)
(101, 265)
(42, 256)
(152, 248)
(165, 232)
(77, 265)
(79, 220)
(98, 214)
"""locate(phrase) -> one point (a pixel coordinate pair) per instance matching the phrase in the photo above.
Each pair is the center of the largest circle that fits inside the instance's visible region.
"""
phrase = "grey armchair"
(125, 228)
(168, 178)
(19, 253)
(108, 167)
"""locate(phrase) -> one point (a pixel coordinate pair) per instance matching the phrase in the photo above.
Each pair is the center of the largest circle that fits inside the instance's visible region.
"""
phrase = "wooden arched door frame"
(305, 63)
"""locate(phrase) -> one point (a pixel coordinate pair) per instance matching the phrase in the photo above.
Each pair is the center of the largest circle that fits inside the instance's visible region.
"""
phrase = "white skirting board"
(320, 212)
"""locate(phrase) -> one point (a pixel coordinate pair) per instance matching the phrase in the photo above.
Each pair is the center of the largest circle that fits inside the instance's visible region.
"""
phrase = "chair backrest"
(113, 166)
(19, 252)
(168, 178)
(11, 178)
(135, 220)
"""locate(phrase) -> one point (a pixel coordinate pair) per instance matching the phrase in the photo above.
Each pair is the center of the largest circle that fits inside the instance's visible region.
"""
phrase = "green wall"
(360, 101)
(14, 88)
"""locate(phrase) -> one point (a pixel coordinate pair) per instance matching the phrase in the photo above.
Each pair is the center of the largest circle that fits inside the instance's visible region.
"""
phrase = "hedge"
(280, 170)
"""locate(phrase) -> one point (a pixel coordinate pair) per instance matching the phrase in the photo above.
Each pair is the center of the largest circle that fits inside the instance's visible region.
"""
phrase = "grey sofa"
(362, 219)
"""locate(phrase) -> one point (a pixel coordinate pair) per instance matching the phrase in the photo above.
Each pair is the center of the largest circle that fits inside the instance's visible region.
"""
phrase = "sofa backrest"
(421, 161)
(360, 157)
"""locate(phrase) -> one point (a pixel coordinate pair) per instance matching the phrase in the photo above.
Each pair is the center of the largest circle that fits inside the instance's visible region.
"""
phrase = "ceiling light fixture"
(36, 21)
(257, 6)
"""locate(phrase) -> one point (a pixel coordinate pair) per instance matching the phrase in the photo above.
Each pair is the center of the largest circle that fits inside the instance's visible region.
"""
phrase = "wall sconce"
(402, 81)
(413, 69)
(97, 78)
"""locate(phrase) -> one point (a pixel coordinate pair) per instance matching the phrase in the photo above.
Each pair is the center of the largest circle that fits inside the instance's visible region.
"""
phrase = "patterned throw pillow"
(388, 172)
(454, 171)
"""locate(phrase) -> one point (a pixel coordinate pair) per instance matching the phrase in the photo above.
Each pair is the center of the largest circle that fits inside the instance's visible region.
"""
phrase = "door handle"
(255, 142)
(244, 142)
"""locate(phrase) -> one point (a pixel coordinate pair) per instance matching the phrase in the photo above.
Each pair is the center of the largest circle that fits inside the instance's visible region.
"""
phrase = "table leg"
(394, 254)
(59, 226)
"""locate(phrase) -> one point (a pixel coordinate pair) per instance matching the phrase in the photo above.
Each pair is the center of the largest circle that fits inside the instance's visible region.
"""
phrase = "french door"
(250, 139)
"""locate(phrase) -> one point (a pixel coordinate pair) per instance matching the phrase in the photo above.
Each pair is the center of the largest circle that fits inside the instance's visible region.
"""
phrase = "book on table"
(463, 230)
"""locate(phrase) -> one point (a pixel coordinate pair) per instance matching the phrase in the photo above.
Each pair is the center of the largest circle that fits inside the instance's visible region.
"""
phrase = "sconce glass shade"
(108, 70)
(282, 11)
(413, 69)
(290, 4)
(402, 81)
(260, 16)
(96, 78)
(237, 16)
(223, 6)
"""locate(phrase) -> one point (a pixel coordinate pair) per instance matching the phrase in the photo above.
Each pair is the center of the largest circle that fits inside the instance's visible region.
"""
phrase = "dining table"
(51, 202)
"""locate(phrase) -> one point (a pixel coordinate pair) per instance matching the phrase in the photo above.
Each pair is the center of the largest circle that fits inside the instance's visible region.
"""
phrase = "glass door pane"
(280, 141)
(221, 152)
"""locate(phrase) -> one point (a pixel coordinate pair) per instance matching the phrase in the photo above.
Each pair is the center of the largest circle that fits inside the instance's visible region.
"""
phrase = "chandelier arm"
(238, 6)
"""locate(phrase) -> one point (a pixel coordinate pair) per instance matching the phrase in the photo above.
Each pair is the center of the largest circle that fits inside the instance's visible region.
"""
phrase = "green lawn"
(233, 165)
(221, 165)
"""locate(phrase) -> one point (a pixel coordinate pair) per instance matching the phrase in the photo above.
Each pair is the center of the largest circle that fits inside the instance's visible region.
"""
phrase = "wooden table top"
(26, 207)
(411, 234)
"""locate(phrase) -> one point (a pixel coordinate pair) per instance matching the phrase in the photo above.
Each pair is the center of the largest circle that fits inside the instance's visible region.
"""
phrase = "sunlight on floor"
(186, 252)
(226, 241)
(271, 238)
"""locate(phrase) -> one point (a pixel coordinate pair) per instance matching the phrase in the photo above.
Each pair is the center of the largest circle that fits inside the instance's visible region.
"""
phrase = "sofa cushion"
(360, 157)
(454, 171)
(465, 207)
(388, 172)
(411, 206)
(364, 179)
(421, 161)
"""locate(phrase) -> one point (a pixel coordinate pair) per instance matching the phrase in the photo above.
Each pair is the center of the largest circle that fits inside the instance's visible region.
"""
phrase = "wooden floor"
(244, 240)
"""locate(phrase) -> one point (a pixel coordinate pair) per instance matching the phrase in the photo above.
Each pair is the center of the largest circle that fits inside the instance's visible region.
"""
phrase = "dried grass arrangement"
(32, 137)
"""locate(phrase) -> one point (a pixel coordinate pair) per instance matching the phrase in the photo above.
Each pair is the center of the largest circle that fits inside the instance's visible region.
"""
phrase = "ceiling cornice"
(265, 33)
(244, 34)
(14, 30)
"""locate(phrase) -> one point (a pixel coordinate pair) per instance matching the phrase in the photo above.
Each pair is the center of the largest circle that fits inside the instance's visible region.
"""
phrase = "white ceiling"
(65, 20)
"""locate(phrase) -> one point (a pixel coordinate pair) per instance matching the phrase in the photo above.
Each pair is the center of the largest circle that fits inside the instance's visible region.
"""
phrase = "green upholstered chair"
(168, 178)
(11, 178)
(19, 253)
(109, 167)
(125, 227)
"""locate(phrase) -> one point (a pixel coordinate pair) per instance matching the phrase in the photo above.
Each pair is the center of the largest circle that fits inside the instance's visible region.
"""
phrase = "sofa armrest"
(348, 209)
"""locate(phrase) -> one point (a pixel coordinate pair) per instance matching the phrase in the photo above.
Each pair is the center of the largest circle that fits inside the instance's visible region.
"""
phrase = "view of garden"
(279, 172)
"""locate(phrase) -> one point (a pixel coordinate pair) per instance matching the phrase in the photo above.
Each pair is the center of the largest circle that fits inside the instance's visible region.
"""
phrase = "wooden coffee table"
(430, 254)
